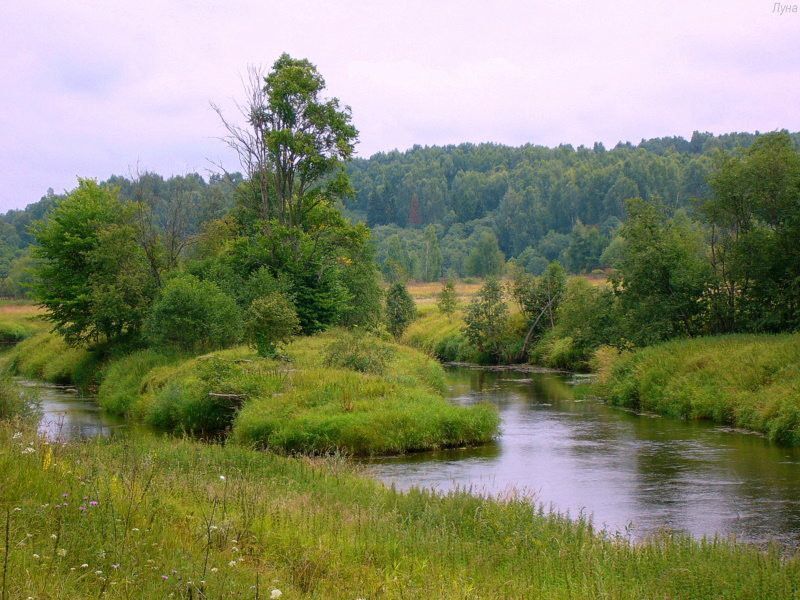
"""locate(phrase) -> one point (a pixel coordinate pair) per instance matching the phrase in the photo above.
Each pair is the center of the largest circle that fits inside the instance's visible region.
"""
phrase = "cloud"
(92, 88)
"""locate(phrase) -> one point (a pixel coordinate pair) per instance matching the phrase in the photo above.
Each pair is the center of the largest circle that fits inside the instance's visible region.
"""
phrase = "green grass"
(441, 336)
(747, 381)
(47, 357)
(150, 517)
(19, 322)
(302, 405)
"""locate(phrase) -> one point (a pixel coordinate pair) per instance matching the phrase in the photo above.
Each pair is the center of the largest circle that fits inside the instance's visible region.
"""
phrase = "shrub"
(400, 309)
(270, 321)
(193, 315)
(359, 352)
(448, 300)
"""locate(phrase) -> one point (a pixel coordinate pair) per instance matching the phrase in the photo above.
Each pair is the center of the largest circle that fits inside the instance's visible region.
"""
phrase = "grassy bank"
(156, 518)
(19, 321)
(748, 381)
(336, 392)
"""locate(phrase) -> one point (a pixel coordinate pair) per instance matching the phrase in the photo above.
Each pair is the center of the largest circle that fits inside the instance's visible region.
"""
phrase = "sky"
(92, 89)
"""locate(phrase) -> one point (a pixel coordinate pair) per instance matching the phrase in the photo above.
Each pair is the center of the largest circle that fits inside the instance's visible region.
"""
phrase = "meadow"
(146, 516)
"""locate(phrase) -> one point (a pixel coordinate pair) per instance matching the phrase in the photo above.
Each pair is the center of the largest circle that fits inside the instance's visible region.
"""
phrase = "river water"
(634, 474)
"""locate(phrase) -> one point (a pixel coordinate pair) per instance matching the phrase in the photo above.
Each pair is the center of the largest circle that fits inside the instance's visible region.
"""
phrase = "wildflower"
(53, 536)
(115, 566)
(135, 529)
(93, 503)
(36, 556)
(64, 495)
(84, 566)
(276, 593)
(17, 509)
(98, 572)
(232, 563)
(165, 577)
(61, 552)
(214, 569)
(28, 450)
(16, 435)
(222, 477)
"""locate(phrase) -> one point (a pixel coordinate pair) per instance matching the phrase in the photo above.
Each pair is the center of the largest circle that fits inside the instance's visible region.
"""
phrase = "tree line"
(466, 210)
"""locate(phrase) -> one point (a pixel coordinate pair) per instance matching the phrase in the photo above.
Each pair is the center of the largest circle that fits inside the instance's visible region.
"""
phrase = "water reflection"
(631, 472)
(67, 415)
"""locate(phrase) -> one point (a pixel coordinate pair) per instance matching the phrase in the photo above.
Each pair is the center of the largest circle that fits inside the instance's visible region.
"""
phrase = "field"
(155, 517)
(19, 321)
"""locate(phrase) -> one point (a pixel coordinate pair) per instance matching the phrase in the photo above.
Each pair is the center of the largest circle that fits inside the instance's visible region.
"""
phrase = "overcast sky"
(94, 88)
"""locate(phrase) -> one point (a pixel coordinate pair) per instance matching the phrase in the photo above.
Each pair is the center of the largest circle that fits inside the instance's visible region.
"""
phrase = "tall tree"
(92, 276)
(296, 141)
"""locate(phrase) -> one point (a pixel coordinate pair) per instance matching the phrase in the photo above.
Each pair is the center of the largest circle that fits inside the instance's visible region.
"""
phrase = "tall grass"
(151, 517)
(47, 357)
(748, 381)
(336, 393)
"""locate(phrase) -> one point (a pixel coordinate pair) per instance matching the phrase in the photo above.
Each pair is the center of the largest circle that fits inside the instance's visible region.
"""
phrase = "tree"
(486, 320)
(400, 309)
(485, 259)
(431, 262)
(270, 321)
(754, 218)
(296, 141)
(539, 299)
(663, 275)
(193, 315)
(92, 277)
(448, 300)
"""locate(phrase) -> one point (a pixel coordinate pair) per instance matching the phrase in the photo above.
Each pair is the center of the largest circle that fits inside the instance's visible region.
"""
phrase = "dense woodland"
(452, 211)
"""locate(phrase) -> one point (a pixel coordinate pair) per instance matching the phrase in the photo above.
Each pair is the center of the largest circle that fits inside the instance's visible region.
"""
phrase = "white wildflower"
(276, 593)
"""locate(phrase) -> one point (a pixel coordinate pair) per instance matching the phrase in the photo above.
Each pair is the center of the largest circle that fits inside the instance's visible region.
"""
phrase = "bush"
(270, 321)
(360, 352)
(400, 309)
(193, 315)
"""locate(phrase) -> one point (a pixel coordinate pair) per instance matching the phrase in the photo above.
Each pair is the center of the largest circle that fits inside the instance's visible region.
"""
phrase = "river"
(634, 474)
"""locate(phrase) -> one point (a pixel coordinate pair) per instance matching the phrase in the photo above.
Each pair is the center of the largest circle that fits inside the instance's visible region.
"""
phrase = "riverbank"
(149, 517)
(746, 381)
(336, 392)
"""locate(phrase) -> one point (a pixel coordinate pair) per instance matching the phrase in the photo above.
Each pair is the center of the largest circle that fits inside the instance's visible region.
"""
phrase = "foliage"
(586, 318)
(92, 277)
(400, 309)
(358, 351)
(270, 322)
(748, 381)
(448, 300)
(193, 315)
(486, 320)
(663, 275)
(539, 299)
(754, 217)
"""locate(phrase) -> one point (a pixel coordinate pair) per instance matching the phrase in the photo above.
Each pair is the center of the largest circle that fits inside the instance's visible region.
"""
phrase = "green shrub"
(271, 321)
(360, 352)
(193, 315)
(400, 309)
